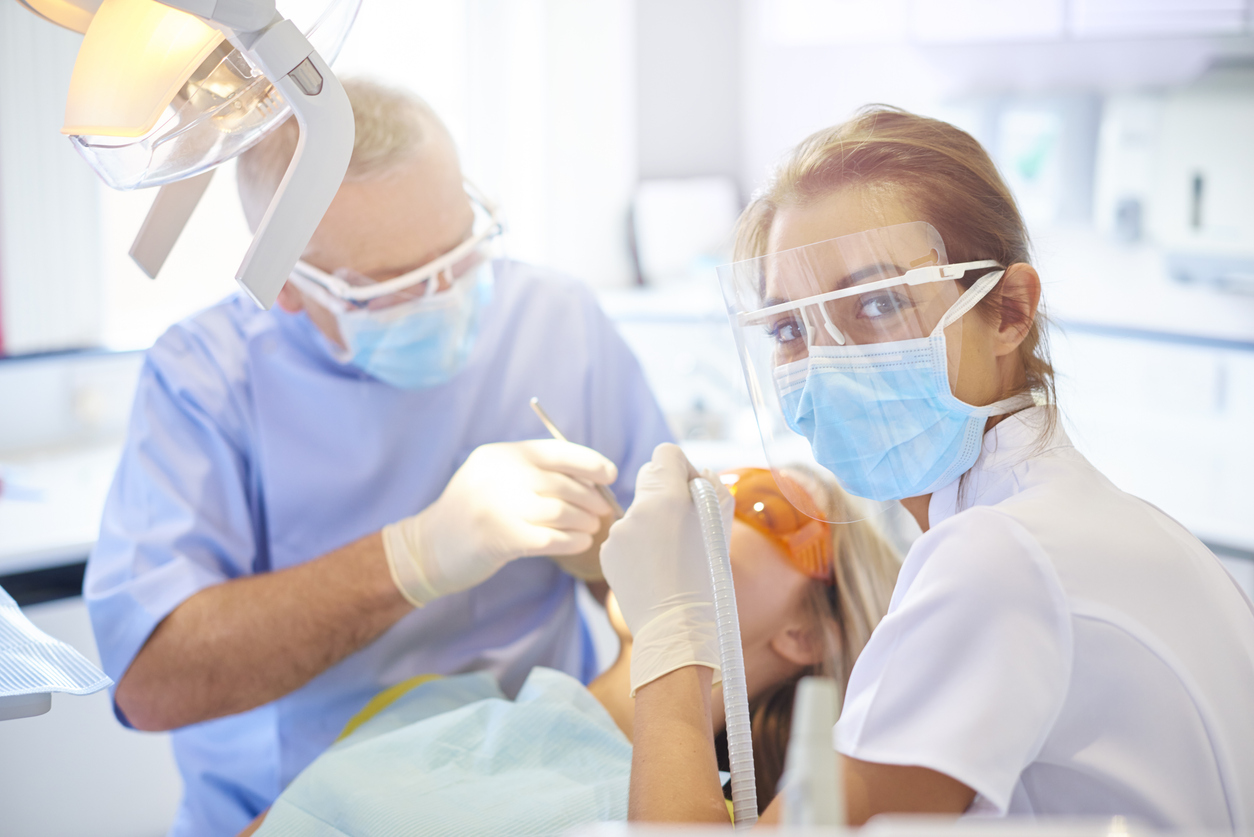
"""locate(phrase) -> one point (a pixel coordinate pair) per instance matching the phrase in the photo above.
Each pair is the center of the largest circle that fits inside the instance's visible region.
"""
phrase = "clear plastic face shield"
(850, 347)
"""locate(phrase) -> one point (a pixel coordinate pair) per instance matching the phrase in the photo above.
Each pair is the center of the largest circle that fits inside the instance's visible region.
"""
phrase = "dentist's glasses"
(348, 290)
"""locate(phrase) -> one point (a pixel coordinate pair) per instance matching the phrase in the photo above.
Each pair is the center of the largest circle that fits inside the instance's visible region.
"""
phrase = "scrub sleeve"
(180, 517)
(968, 671)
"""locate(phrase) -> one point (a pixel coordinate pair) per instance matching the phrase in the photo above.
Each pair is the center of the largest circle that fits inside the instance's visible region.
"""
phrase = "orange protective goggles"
(760, 503)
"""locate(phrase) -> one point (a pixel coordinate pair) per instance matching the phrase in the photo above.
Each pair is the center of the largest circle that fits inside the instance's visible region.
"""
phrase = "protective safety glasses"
(760, 503)
(839, 340)
(347, 290)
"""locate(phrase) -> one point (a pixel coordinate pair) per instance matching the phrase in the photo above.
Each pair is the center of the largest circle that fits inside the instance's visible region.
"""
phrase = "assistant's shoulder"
(987, 557)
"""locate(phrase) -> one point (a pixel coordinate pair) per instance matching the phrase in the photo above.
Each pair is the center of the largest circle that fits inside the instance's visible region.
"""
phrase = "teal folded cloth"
(455, 756)
(31, 662)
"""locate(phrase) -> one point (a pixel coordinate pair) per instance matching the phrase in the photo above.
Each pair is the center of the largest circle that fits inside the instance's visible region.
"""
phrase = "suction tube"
(735, 690)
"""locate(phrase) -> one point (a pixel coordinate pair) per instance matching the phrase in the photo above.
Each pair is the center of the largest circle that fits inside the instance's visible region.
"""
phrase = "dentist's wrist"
(403, 543)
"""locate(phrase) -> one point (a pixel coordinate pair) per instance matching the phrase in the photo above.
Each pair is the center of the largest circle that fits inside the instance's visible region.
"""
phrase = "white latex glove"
(655, 562)
(508, 500)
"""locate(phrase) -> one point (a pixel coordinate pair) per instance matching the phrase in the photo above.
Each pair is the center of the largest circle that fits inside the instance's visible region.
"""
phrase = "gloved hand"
(655, 562)
(586, 566)
(508, 500)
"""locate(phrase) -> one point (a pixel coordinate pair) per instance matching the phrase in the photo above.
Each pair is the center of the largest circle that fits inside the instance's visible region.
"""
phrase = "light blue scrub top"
(252, 449)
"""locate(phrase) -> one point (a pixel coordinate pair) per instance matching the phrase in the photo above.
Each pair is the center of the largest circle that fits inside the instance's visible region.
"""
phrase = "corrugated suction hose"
(731, 658)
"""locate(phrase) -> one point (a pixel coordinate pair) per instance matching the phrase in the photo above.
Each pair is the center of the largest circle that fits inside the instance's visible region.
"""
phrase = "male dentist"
(320, 501)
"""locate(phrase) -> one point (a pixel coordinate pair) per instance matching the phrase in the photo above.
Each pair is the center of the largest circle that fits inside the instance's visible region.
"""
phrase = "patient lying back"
(444, 755)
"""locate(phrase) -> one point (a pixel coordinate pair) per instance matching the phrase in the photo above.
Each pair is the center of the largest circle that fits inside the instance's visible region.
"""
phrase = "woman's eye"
(785, 331)
(880, 305)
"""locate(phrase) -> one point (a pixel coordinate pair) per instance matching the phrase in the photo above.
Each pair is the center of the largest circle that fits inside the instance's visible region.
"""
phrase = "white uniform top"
(1062, 648)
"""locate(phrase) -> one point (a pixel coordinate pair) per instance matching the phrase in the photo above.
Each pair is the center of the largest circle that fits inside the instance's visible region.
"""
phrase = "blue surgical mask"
(883, 417)
(420, 343)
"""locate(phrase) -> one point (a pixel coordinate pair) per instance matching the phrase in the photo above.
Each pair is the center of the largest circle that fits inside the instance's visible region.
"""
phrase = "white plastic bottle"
(812, 786)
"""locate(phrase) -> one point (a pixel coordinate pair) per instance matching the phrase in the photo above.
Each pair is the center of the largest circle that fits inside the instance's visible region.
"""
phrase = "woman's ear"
(799, 644)
(1018, 295)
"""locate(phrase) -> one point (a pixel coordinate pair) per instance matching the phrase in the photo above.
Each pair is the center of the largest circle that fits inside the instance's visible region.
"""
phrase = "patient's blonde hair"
(389, 124)
(845, 609)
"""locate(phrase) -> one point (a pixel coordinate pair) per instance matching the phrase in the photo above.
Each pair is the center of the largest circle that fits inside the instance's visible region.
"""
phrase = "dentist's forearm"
(674, 772)
(237, 645)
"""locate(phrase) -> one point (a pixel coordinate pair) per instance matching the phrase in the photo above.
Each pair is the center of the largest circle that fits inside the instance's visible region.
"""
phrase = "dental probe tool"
(557, 434)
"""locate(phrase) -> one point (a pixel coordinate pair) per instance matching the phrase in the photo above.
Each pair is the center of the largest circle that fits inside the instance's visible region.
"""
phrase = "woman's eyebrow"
(871, 271)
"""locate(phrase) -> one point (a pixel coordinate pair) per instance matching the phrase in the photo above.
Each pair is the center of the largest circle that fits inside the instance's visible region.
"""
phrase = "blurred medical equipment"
(1173, 168)
(1203, 210)
(33, 665)
(603, 490)
(163, 92)
(812, 787)
(849, 348)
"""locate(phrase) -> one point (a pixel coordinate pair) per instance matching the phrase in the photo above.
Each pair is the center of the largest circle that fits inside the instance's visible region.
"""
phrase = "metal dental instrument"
(557, 434)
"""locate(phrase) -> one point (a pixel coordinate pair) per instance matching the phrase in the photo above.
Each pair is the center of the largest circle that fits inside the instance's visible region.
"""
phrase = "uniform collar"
(1006, 456)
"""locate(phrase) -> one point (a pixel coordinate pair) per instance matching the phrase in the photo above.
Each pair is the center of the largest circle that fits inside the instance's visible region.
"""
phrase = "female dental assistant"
(1054, 646)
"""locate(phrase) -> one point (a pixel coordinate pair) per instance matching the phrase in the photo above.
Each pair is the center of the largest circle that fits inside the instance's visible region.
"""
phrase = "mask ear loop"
(969, 299)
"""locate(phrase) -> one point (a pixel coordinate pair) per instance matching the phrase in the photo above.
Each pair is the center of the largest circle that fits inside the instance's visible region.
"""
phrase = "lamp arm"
(323, 148)
(238, 15)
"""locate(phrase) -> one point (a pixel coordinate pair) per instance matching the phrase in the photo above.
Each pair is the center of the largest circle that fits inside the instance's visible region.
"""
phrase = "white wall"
(49, 277)
(552, 129)
(688, 59)
(199, 271)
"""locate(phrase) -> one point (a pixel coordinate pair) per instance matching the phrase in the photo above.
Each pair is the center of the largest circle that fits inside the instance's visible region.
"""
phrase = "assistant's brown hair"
(938, 170)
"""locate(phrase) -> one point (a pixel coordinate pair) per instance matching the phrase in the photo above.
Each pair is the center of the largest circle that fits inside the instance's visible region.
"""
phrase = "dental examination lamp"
(163, 92)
